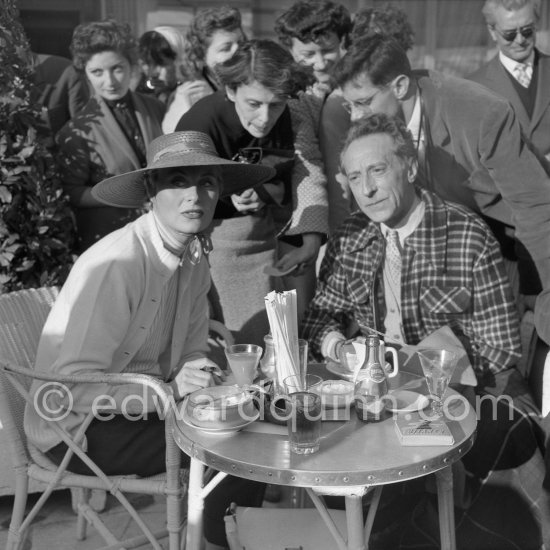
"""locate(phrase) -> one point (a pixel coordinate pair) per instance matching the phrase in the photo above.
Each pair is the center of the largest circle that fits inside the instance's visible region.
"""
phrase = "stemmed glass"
(438, 366)
(243, 361)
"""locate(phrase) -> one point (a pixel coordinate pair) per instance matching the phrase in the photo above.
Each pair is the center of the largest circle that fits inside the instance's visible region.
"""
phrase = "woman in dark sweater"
(254, 119)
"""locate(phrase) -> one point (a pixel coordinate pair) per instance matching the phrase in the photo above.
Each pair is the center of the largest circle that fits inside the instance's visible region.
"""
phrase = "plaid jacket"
(452, 274)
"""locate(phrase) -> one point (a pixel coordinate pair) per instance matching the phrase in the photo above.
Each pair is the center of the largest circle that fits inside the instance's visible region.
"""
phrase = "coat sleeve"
(335, 123)
(88, 322)
(495, 324)
(522, 181)
(309, 183)
(75, 162)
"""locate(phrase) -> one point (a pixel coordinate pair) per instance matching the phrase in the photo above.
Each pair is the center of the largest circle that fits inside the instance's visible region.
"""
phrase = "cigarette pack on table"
(415, 430)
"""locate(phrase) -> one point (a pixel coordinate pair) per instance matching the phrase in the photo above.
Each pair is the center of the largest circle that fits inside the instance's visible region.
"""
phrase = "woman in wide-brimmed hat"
(136, 302)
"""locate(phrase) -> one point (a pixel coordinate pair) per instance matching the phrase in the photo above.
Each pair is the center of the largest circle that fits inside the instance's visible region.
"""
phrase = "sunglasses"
(527, 32)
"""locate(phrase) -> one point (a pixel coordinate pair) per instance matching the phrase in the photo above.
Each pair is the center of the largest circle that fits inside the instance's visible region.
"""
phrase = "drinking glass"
(297, 383)
(304, 422)
(438, 366)
(243, 361)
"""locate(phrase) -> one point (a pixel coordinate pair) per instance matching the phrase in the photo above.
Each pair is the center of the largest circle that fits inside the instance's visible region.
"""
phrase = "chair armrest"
(162, 389)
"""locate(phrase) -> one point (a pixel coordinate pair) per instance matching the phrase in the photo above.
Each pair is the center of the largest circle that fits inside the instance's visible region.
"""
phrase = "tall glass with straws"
(438, 366)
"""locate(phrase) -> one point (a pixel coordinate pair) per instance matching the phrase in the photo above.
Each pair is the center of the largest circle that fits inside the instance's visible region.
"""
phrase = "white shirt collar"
(414, 125)
(510, 64)
(413, 221)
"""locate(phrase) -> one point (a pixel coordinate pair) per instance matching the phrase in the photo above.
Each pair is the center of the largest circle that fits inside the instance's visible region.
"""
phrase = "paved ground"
(55, 527)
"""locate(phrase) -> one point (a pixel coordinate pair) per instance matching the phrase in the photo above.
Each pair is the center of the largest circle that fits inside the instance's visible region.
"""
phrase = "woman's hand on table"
(301, 257)
(194, 375)
(247, 201)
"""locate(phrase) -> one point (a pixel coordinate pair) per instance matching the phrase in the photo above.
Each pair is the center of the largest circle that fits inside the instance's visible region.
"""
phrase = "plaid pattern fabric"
(452, 274)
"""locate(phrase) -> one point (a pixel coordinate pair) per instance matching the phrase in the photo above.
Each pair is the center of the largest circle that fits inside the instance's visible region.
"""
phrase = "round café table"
(354, 457)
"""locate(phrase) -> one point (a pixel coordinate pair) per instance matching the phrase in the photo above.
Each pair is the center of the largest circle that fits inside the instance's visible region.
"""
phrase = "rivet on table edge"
(317, 479)
(400, 473)
(293, 478)
(233, 466)
(250, 471)
(346, 479)
(425, 467)
(269, 474)
(370, 478)
(446, 459)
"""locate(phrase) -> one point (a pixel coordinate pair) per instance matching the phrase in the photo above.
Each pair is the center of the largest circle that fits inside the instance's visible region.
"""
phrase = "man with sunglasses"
(519, 72)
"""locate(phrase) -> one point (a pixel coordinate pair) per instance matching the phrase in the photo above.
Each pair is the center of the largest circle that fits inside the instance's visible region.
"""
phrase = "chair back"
(22, 317)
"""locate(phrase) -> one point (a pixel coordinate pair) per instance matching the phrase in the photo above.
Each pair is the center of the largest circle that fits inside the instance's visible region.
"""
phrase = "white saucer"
(401, 401)
(336, 368)
(218, 431)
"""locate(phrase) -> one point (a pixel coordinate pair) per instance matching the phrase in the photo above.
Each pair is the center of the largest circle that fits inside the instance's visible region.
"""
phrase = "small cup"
(349, 358)
(304, 422)
(297, 383)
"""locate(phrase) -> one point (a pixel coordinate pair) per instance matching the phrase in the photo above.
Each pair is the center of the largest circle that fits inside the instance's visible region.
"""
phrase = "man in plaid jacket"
(449, 272)
(452, 271)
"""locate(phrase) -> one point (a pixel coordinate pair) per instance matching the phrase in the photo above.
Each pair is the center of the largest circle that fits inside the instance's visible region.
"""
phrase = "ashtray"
(220, 407)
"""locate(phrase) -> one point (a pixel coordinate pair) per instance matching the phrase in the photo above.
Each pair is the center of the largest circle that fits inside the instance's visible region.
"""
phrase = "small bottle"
(371, 386)
(267, 362)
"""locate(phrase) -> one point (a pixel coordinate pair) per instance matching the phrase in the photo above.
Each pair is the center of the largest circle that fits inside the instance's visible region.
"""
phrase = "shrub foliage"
(36, 222)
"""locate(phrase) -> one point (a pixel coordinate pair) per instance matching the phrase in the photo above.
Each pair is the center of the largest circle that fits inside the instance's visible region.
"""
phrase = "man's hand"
(247, 201)
(194, 375)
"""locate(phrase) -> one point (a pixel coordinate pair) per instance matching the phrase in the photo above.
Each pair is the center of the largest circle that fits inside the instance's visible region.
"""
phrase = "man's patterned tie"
(393, 255)
(520, 74)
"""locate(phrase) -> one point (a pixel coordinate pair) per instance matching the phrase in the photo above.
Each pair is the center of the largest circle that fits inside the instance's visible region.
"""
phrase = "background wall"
(450, 34)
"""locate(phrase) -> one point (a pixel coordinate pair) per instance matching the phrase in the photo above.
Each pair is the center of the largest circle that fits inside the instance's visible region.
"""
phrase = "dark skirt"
(243, 247)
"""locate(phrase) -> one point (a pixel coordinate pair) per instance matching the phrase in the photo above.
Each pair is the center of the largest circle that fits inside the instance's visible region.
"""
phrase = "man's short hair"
(380, 57)
(387, 20)
(510, 5)
(379, 123)
(310, 20)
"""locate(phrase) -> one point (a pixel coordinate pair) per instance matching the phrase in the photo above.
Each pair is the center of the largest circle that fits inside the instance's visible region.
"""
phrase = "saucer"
(218, 431)
(338, 370)
(400, 401)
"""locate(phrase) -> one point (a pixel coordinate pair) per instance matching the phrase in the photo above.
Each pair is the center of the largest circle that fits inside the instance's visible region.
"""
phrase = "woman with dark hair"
(111, 134)
(255, 119)
(315, 32)
(163, 61)
(212, 38)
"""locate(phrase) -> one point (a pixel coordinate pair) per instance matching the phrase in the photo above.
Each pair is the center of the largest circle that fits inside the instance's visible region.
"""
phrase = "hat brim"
(128, 190)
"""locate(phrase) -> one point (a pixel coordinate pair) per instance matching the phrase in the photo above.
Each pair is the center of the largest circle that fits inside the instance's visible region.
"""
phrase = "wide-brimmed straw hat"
(179, 149)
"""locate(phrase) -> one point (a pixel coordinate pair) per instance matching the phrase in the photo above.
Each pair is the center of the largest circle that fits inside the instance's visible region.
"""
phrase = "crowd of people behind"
(399, 197)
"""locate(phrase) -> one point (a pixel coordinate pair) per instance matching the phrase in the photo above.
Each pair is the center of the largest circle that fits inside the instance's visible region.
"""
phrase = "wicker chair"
(22, 316)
